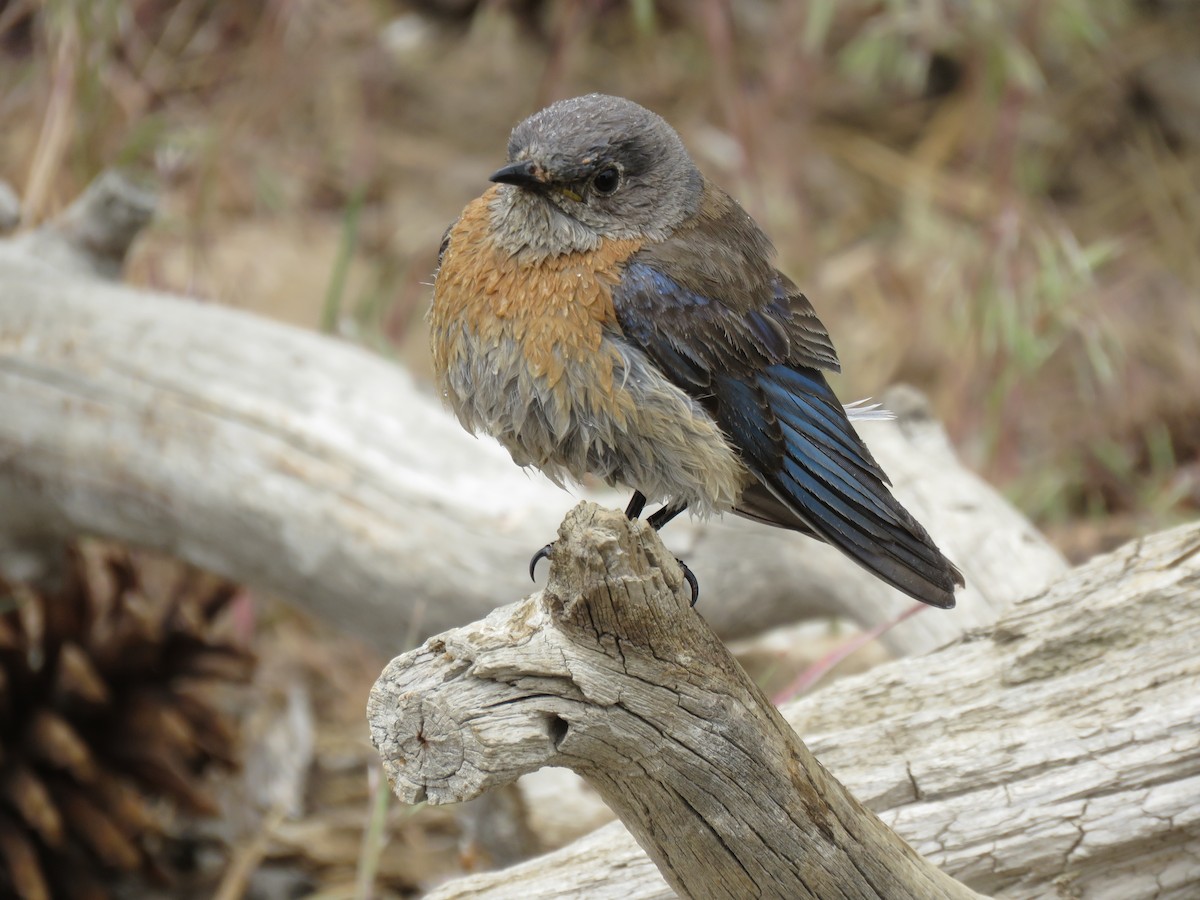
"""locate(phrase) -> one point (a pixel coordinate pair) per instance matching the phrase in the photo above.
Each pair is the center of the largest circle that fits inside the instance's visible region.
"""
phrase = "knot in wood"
(421, 744)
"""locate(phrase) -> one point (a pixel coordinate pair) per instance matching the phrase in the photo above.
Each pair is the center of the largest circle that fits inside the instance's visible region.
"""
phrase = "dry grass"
(997, 202)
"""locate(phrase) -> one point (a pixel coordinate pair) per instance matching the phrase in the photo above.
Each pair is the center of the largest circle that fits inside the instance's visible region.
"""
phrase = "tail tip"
(943, 598)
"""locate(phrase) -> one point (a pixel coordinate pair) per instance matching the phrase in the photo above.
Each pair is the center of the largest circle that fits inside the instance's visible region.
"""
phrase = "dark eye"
(606, 181)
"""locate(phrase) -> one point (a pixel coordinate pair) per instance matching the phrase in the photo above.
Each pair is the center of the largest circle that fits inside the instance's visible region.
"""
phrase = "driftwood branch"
(1057, 754)
(92, 236)
(611, 673)
(300, 464)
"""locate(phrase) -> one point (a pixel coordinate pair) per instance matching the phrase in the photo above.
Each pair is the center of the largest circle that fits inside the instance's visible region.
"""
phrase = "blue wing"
(754, 362)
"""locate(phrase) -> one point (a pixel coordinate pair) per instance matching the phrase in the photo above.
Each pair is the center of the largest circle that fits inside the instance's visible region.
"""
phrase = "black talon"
(691, 580)
(544, 553)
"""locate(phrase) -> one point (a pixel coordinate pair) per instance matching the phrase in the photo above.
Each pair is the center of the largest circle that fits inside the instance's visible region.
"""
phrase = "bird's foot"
(688, 575)
(544, 553)
(656, 521)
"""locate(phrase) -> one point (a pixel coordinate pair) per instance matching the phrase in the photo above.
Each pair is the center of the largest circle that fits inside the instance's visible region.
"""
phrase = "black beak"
(522, 174)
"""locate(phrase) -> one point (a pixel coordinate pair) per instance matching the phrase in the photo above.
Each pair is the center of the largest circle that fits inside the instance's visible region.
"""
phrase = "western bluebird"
(606, 309)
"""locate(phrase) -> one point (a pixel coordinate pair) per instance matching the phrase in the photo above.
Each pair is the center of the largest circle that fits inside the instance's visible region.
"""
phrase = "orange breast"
(554, 309)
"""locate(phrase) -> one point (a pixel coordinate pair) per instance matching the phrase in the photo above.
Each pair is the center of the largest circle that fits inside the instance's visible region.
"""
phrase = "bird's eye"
(606, 181)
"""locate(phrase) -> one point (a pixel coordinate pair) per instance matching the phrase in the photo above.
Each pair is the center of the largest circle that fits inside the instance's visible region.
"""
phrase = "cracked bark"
(610, 673)
(1056, 754)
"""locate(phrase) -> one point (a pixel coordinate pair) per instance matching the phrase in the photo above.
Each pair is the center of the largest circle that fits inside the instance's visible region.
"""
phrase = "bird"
(605, 309)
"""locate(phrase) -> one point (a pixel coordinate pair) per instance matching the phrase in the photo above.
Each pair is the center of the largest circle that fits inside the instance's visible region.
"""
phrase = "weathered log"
(611, 673)
(1057, 754)
(92, 236)
(300, 464)
(90, 239)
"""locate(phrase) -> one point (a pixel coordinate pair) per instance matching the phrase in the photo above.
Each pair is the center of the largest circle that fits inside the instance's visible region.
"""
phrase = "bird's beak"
(522, 174)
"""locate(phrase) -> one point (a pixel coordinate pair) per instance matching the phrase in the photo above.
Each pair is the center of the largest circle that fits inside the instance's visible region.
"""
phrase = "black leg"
(636, 504)
(658, 519)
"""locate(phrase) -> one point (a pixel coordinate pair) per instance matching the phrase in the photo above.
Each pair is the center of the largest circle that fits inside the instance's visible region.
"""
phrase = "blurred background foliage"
(998, 202)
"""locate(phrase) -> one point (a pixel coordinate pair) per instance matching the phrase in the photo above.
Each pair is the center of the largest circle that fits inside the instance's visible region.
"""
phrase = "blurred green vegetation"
(996, 201)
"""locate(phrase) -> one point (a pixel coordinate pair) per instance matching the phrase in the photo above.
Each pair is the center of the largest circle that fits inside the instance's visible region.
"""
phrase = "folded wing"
(745, 343)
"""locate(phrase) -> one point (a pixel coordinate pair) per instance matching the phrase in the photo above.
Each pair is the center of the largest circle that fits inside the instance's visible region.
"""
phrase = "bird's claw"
(691, 580)
(544, 553)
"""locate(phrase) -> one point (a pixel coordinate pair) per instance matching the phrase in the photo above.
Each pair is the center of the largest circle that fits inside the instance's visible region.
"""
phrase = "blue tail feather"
(795, 436)
(836, 475)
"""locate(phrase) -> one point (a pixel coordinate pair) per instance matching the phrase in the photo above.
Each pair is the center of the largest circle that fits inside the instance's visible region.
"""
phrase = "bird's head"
(591, 168)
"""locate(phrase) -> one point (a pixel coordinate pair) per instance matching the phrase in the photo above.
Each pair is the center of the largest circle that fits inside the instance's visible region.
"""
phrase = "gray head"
(589, 168)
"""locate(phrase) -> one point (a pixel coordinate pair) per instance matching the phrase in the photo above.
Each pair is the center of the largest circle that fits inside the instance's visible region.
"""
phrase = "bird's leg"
(658, 519)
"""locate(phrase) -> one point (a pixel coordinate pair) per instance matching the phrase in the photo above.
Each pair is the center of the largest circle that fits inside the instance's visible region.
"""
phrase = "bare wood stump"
(610, 673)
(1056, 755)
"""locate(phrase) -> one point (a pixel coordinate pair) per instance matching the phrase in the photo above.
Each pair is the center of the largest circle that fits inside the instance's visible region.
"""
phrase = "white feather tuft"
(866, 411)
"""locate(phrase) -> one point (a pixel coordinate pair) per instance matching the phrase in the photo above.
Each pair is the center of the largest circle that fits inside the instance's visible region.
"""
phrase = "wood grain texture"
(611, 673)
(1056, 755)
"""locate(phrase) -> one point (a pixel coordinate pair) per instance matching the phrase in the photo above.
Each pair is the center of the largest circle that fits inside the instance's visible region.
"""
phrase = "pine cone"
(110, 715)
